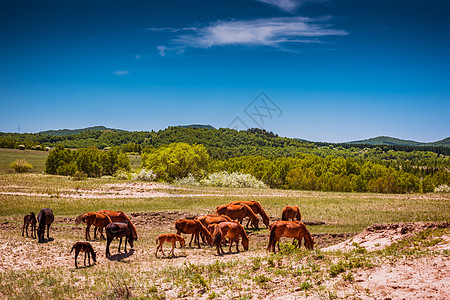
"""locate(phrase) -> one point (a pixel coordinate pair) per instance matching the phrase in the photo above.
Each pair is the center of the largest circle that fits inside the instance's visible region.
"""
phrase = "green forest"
(279, 162)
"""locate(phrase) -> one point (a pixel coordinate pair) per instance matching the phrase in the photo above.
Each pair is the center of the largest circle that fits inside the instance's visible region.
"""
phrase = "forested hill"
(221, 143)
(386, 140)
(75, 131)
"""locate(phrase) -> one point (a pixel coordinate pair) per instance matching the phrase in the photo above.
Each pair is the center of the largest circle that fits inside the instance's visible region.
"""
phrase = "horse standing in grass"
(289, 229)
(168, 238)
(231, 230)
(96, 219)
(119, 230)
(45, 219)
(194, 228)
(238, 212)
(119, 216)
(212, 219)
(291, 213)
(88, 250)
(257, 209)
(29, 220)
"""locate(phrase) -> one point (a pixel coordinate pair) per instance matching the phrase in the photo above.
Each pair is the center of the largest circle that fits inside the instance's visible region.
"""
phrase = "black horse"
(119, 230)
(45, 218)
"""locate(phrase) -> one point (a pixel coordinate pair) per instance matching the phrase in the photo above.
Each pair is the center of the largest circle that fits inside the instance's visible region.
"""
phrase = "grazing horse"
(291, 213)
(119, 230)
(257, 209)
(119, 216)
(231, 230)
(212, 219)
(238, 212)
(45, 218)
(289, 229)
(88, 250)
(193, 227)
(96, 219)
(29, 220)
(168, 238)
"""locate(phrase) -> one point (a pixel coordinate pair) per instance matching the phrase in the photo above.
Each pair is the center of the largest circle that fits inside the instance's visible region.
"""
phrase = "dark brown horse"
(96, 219)
(45, 218)
(168, 238)
(231, 230)
(238, 212)
(88, 250)
(291, 213)
(119, 230)
(194, 228)
(257, 209)
(119, 216)
(29, 220)
(289, 229)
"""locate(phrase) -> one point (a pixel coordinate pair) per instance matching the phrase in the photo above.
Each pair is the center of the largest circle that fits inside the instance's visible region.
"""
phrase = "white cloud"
(121, 73)
(288, 5)
(261, 32)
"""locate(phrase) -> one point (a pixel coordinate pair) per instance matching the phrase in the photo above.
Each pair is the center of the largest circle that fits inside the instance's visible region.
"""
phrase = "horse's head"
(255, 223)
(245, 244)
(182, 242)
(94, 256)
(309, 244)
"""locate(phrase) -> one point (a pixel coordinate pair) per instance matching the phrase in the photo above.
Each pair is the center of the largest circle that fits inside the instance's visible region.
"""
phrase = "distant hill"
(386, 140)
(61, 132)
(197, 126)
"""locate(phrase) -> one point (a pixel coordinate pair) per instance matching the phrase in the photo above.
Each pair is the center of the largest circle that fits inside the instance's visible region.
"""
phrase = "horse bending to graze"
(238, 212)
(212, 219)
(168, 238)
(119, 216)
(291, 213)
(88, 250)
(96, 219)
(231, 230)
(193, 227)
(119, 230)
(29, 220)
(45, 218)
(257, 209)
(289, 229)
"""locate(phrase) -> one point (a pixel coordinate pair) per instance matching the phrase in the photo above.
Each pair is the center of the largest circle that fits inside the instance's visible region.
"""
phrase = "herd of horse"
(214, 229)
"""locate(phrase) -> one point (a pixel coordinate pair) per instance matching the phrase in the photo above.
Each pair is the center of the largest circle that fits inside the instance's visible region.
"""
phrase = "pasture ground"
(411, 262)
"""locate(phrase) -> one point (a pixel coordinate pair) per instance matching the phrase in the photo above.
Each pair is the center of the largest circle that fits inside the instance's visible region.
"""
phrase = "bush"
(189, 180)
(236, 180)
(443, 188)
(79, 175)
(123, 175)
(144, 175)
(21, 166)
(21, 147)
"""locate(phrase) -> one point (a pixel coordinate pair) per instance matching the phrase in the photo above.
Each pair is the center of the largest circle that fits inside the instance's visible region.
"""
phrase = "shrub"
(21, 147)
(443, 188)
(79, 175)
(188, 180)
(144, 175)
(235, 180)
(123, 175)
(21, 166)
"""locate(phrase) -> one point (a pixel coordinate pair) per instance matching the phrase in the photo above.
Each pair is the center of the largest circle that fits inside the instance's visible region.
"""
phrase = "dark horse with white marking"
(45, 218)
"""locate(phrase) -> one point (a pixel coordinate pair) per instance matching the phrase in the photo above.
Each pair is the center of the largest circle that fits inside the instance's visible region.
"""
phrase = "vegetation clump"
(21, 166)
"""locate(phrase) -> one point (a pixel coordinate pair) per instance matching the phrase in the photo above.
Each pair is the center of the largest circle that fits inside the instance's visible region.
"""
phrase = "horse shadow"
(44, 241)
(121, 256)
(172, 257)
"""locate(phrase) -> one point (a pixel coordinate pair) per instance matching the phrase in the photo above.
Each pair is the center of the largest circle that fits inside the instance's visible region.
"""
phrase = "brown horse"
(257, 209)
(45, 218)
(194, 228)
(119, 216)
(119, 230)
(231, 230)
(168, 238)
(212, 219)
(88, 250)
(29, 220)
(96, 219)
(238, 212)
(289, 229)
(291, 213)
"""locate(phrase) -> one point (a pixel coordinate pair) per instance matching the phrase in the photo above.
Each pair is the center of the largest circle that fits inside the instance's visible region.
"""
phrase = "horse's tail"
(217, 236)
(73, 247)
(157, 240)
(264, 215)
(299, 214)
(79, 219)
(178, 227)
(271, 238)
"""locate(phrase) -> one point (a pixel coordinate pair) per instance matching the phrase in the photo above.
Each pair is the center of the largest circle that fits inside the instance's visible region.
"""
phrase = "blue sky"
(334, 71)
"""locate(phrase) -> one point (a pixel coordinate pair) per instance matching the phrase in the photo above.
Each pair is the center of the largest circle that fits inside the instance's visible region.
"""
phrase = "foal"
(172, 238)
(88, 250)
(29, 220)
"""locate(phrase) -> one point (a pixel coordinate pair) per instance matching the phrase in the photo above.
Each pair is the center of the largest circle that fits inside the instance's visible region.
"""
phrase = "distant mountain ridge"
(386, 140)
(75, 131)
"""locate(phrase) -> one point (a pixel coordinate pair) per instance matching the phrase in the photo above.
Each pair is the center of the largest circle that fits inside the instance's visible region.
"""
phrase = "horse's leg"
(85, 254)
(157, 249)
(76, 256)
(89, 257)
(229, 248)
(197, 238)
(237, 245)
(192, 236)
(108, 242)
(120, 243)
(100, 229)
(33, 231)
(162, 250)
(48, 231)
(126, 242)
(86, 233)
(173, 247)
(95, 233)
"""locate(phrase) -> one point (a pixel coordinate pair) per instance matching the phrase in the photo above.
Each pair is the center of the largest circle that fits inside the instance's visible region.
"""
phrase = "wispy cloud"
(271, 32)
(288, 5)
(121, 73)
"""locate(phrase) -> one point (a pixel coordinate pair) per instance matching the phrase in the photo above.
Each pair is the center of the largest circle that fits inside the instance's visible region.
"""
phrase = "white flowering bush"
(443, 188)
(123, 175)
(188, 180)
(144, 175)
(235, 179)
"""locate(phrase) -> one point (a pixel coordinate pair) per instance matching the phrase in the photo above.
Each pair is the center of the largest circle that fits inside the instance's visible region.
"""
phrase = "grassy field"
(35, 158)
(194, 273)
